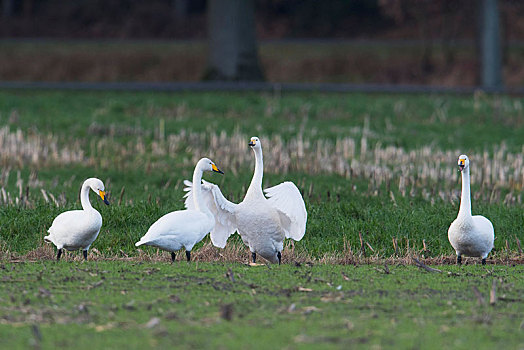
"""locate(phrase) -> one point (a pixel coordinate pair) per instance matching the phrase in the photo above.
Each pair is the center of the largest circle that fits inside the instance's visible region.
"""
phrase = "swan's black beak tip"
(216, 169)
(106, 201)
(251, 144)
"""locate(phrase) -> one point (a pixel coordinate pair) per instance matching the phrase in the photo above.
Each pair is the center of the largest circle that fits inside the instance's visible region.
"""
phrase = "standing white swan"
(262, 222)
(78, 229)
(183, 228)
(469, 235)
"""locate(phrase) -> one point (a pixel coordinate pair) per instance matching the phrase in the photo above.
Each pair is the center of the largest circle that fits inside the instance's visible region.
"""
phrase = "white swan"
(469, 235)
(183, 228)
(262, 222)
(78, 229)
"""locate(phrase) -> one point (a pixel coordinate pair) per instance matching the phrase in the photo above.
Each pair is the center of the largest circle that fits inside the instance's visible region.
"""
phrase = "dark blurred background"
(440, 42)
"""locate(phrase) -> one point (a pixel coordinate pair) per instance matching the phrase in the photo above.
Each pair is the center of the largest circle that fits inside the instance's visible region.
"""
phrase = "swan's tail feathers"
(139, 243)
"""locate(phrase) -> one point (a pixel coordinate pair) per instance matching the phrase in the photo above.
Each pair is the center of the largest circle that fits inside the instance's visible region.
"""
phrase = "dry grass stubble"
(412, 172)
(238, 253)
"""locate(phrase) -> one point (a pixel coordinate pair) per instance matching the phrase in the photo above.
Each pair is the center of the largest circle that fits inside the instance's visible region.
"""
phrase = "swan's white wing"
(486, 231)
(222, 209)
(177, 229)
(288, 201)
(67, 220)
(74, 229)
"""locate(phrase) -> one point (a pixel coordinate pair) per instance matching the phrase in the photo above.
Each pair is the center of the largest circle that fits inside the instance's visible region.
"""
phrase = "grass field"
(384, 166)
(157, 305)
(379, 177)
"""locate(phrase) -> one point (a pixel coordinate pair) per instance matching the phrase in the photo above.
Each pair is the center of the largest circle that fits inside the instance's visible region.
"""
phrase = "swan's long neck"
(465, 198)
(197, 191)
(84, 197)
(255, 187)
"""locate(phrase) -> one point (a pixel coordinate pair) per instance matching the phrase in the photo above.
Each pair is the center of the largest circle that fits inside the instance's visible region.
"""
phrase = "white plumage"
(78, 229)
(183, 228)
(470, 235)
(288, 202)
(262, 222)
(220, 207)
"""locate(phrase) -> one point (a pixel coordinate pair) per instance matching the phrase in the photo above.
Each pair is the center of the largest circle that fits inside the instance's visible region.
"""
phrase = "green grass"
(109, 303)
(197, 305)
(410, 121)
(106, 125)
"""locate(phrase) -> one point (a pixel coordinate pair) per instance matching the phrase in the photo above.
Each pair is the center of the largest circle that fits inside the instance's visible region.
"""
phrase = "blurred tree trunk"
(8, 8)
(490, 45)
(28, 7)
(181, 9)
(232, 48)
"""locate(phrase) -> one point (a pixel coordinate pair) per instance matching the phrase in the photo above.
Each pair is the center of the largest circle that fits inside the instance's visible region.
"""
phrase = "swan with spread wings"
(262, 222)
(183, 228)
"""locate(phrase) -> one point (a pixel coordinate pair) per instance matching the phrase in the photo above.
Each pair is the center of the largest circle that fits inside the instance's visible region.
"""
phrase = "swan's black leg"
(279, 256)
(188, 255)
(173, 256)
(85, 255)
(484, 261)
(58, 254)
(459, 259)
(254, 256)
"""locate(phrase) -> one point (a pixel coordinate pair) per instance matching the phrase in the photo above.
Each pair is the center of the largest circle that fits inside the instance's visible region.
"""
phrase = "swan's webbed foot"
(459, 259)
(484, 261)
(173, 257)
(58, 254)
(188, 255)
(85, 255)
(279, 256)
(254, 257)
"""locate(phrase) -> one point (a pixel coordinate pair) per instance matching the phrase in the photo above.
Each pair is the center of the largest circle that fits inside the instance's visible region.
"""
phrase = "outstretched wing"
(287, 200)
(222, 209)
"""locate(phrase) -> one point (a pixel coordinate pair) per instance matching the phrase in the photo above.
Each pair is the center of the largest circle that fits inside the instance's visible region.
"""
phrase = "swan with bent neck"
(78, 229)
(183, 228)
(470, 235)
(263, 223)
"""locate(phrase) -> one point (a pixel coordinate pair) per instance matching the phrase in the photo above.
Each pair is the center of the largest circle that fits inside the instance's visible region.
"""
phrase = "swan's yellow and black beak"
(461, 164)
(252, 143)
(103, 196)
(215, 169)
